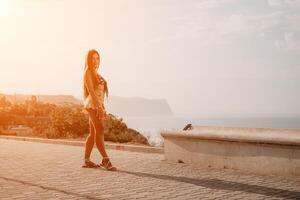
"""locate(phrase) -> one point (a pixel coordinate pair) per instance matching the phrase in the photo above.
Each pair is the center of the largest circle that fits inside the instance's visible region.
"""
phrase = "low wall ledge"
(236, 134)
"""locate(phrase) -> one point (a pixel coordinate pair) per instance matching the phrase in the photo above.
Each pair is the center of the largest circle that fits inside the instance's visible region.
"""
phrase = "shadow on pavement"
(223, 185)
(50, 188)
(207, 183)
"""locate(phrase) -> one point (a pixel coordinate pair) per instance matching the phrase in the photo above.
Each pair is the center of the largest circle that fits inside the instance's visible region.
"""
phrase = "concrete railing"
(258, 150)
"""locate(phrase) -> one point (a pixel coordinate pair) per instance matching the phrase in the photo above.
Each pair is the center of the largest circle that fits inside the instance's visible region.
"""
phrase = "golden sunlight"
(6, 8)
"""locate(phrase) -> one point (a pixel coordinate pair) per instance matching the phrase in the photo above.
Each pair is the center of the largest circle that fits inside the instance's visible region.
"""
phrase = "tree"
(80, 123)
(60, 121)
(4, 102)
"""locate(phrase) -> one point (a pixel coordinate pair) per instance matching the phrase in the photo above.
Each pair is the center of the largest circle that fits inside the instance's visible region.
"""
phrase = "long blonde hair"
(95, 79)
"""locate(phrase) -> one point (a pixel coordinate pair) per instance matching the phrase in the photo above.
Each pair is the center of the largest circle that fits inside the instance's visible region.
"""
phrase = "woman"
(94, 88)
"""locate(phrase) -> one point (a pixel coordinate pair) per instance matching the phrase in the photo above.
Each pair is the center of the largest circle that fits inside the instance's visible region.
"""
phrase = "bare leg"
(90, 140)
(99, 132)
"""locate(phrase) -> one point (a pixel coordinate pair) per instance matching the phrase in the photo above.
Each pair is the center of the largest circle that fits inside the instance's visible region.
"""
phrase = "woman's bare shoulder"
(87, 73)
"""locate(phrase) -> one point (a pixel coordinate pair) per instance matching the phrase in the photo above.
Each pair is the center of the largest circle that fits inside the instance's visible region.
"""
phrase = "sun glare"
(6, 8)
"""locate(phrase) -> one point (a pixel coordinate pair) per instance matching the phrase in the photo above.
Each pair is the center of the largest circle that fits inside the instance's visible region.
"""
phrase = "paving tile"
(34, 170)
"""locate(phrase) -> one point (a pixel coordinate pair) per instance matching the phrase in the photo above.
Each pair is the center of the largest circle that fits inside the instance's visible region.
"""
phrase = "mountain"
(121, 106)
(137, 106)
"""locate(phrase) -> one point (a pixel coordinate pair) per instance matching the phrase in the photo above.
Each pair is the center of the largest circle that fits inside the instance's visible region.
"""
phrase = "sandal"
(108, 165)
(89, 164)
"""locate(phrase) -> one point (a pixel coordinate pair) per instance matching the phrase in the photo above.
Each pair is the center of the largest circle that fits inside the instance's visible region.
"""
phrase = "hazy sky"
(204, 57)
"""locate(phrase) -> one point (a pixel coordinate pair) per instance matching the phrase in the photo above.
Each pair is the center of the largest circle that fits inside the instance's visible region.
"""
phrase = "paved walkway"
(30, 170)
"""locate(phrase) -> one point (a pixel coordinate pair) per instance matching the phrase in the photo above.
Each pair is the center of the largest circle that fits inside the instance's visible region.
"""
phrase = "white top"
(99, 93)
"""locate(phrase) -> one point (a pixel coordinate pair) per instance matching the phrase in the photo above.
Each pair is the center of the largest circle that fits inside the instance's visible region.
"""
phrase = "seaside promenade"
(33, 170)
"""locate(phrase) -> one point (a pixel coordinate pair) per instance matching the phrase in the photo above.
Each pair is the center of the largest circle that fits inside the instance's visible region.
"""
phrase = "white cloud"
(275, 2)
(207, 4)
(289, 42)
(284, 3)
(281, 25)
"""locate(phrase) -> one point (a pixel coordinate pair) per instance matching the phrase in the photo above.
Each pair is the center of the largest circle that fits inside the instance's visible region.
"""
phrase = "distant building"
(21, 130)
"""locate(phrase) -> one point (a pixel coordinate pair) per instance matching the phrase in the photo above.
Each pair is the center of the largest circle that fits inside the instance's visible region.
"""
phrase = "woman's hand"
(104, 114)
(100, 113)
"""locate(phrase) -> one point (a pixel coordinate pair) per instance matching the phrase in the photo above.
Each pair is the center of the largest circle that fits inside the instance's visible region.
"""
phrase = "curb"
(115, 146)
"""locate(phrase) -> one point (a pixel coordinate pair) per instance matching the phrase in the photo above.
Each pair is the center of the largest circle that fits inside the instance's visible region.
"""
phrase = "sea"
(151, 127)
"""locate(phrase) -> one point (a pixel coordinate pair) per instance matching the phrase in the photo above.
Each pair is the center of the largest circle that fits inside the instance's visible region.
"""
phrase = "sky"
(205, 57)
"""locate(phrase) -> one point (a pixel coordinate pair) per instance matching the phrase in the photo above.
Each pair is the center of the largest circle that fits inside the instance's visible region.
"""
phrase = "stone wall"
(258, 150)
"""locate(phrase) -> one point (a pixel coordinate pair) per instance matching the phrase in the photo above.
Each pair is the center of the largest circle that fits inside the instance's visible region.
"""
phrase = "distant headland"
(121, 106)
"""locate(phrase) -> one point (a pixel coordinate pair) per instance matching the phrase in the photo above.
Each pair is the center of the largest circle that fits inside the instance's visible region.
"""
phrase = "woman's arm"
(89, 84)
